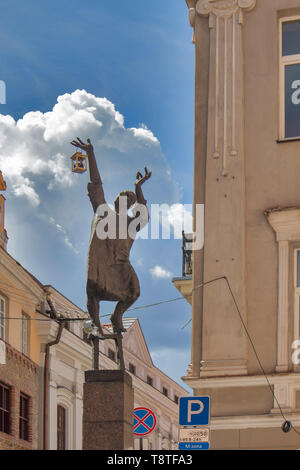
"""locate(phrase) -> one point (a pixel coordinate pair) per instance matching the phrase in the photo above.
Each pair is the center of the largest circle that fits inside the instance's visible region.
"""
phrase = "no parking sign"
(144, 421)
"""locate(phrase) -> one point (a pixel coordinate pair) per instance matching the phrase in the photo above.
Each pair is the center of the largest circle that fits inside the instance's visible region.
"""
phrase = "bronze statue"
(110, 275)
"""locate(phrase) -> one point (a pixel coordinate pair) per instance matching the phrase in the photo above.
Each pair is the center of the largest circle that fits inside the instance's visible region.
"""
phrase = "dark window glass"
(298, 268)
(61, 428)
(176, 399)
(165, 391)
(149, 381)
(292, 100)
(290, 38)
(112, 355)
(24, 417)
(132, 368)
(4, 408)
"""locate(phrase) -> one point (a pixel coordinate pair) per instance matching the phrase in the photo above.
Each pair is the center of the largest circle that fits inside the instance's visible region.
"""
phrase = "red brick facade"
(20, 374)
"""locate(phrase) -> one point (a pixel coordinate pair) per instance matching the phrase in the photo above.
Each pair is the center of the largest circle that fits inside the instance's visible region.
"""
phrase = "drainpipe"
(53, 315)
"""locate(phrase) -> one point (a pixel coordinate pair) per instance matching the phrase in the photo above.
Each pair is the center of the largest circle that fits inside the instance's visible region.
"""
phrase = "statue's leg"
(116, 317)
(93, 308)
(128, 297)
(120, 354)
(95, 360)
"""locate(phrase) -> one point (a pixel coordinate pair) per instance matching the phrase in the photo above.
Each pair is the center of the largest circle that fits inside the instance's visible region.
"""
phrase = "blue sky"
(133, 63)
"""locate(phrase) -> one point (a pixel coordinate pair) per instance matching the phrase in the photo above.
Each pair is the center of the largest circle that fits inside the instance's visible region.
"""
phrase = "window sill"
(283, 141)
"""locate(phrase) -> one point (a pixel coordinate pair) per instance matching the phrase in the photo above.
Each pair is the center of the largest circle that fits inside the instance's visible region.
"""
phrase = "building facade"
(42, 365)
(72, 355)
(20, 298)
(247, 161)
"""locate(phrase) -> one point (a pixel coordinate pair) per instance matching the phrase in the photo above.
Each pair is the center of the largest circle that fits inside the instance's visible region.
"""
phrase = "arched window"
(61, 427)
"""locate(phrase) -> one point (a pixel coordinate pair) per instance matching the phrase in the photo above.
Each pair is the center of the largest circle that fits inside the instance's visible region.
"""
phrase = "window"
(290, 78)
(149, 380)
(4, 408)
(176, 399)
(25, 332)
(132, 369)
(111, 355)
(2, 318)
(297, 294)
(24, 417)
(165, 391)
(61, 428)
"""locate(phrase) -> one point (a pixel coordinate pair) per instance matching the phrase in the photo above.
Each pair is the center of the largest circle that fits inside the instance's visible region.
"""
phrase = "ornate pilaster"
(226, 18)
(220, 161)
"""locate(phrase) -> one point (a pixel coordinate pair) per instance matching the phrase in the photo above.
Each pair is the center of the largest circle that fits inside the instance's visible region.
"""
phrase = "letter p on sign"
(194, 411)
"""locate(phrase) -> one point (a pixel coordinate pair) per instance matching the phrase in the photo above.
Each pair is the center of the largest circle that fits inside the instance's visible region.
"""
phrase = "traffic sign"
(194, 411)
(193, 445)
(144, 421)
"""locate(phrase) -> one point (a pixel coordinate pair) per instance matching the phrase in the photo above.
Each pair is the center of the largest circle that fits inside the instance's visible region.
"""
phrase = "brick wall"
(21, 375)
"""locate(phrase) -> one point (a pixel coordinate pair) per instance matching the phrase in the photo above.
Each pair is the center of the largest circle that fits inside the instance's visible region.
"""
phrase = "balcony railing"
(187, 242)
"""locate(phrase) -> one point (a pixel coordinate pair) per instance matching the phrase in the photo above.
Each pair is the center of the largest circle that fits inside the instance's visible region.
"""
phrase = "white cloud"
(158, 272)
(172, 218)
(180, 218)
(144, 133)
(65, 235)
(35, 150)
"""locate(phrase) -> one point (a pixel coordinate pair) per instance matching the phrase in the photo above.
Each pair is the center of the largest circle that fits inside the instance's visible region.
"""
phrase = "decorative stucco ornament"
(223, 7)
(226, 18)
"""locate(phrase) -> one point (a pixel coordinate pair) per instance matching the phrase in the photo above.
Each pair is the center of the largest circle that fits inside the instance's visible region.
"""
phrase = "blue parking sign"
(194, 411)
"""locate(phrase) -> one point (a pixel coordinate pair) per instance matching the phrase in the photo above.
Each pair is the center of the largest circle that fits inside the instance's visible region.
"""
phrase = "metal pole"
(95, 342)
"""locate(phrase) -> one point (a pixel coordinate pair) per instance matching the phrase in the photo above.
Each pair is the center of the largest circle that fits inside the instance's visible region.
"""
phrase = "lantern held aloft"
(79, 162)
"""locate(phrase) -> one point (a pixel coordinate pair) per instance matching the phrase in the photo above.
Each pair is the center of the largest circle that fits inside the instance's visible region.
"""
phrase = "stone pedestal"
(107, 410)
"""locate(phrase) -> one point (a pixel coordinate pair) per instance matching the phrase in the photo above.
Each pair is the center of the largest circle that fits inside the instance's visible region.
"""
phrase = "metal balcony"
(187, 245)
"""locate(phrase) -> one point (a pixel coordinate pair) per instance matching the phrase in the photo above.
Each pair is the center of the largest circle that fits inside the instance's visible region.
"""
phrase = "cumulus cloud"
(35, 161)
(35, 150)
(180, 217)
(158, 272)
(172, 219)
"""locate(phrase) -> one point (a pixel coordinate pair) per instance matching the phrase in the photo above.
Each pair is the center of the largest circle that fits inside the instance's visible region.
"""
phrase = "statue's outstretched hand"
(140, 179)
(78, 143)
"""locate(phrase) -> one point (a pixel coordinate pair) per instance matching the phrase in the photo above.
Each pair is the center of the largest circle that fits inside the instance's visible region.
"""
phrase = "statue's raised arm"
(94, 187)
(139, 181)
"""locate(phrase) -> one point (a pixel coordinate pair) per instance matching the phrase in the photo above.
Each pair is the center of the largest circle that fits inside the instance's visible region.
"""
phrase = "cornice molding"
(13, 271)
(285, 222)
(242, 381)
(252, 422)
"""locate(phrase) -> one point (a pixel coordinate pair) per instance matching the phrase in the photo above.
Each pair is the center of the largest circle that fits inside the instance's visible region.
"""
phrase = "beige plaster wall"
(272, 172)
